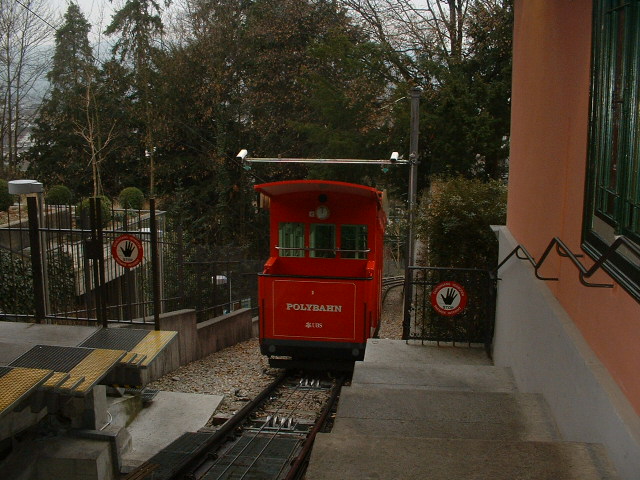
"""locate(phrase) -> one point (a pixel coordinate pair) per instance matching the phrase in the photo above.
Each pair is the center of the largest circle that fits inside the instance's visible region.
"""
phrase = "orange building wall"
(549, 136)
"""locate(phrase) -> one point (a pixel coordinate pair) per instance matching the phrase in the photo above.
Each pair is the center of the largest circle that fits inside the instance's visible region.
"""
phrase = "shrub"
(131, 197)
(58, 195)
(83, 215)
(16, 284)
(454, 222)
(6, 199)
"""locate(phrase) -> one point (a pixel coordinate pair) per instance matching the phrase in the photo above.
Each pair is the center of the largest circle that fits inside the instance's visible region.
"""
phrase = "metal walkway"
(76, 370)
(16, 384)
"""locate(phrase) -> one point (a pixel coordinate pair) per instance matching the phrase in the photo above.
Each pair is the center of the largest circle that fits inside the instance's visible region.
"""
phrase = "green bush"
(58, 195)
(131, 197)
(83, 215)
(6, 199)
(16, 284)
(454, 222)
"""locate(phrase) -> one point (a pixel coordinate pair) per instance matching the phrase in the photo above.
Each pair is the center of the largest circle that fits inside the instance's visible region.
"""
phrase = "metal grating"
(17, 383)
(115, 338)
(255, 458)
(146, 394)
(52, 357)
(167, 462)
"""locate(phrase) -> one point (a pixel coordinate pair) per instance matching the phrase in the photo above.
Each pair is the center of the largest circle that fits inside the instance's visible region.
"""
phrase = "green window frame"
(353, 242)
(291, 239)
(612, 200)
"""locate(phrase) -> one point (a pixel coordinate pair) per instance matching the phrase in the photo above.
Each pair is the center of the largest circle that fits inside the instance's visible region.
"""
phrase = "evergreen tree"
(58, 153)
(139, 27)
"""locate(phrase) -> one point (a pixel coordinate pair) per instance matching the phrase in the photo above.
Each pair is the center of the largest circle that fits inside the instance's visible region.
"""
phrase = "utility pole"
(413, 188)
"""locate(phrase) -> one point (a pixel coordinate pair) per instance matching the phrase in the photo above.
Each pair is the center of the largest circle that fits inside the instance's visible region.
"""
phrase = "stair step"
(436, 377)
(379, 411)
(401, 353)
(442, 459)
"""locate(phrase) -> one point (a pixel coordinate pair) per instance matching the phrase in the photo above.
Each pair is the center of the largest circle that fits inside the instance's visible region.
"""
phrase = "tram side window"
(353, 241)
(322, 241)
(291, 239)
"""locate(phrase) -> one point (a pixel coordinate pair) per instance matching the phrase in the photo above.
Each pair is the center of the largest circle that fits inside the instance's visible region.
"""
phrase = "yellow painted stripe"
(152, 344)
(95, 366)
(57, 379)
(18, 382)
(72, 383)
(128, 357)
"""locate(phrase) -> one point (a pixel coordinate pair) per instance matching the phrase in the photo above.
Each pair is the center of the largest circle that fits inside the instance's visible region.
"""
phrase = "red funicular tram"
(319, 293)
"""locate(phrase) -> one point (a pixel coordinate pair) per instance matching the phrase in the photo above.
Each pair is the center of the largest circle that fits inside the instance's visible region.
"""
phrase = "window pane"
(323, 240)
(612, 202)
(614, 149)
(291, 239)
(353, 241)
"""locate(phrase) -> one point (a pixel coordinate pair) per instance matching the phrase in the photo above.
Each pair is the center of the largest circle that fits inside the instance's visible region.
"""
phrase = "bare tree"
(92, 131)
(23, 63)
(415, 32)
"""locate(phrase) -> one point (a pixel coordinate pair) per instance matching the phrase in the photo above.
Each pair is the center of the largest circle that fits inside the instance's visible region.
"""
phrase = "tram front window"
(291, 239)
(322, 241)
(353, 241)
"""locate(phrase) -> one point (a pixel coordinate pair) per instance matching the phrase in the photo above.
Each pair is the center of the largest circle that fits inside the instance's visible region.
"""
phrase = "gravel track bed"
(240, 372)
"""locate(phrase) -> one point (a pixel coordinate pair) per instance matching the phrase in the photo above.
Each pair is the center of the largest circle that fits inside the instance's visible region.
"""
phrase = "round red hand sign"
(127, 250)
(448, 298)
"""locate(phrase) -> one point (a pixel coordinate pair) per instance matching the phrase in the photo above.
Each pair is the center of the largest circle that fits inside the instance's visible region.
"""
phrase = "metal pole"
(413, 187)
(155, 264)
(36, 264)
(43, 253)
(102, 286)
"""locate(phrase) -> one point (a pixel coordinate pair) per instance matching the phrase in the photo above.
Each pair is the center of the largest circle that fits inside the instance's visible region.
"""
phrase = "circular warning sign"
(448, 298)
(127, 250)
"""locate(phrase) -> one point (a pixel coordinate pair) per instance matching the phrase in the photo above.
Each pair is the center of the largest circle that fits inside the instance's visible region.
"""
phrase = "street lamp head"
(22, 187)
(242, 154)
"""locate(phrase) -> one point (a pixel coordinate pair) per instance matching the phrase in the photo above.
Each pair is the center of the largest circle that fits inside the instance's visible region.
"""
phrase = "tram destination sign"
(449, 298)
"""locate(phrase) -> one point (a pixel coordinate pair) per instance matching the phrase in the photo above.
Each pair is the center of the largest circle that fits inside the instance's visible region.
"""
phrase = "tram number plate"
(323, 310)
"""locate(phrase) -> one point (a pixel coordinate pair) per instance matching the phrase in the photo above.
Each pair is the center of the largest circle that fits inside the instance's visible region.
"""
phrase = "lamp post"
(413, 188)
(36, 223)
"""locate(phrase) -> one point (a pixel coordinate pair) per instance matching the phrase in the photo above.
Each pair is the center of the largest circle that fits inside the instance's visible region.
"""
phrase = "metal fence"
(57, 265)
(473, 324)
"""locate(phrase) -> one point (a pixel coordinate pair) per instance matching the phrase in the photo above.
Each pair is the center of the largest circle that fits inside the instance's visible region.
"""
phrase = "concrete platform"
(170, 415)
(17, 338)
(393, 458)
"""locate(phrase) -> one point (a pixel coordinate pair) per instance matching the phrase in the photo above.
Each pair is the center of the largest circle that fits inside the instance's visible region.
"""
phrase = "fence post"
(180, 261)
(36, 263)
(96, 255)
(155, 264)
(103, 283)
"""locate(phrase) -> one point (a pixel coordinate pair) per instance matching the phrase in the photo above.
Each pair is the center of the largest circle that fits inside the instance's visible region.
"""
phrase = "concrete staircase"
(418, 412)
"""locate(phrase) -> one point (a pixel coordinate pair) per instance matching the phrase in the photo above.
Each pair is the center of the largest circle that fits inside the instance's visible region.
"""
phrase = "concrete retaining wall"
(17, 237)
(547, 354)
(197, 340)
(224, 331)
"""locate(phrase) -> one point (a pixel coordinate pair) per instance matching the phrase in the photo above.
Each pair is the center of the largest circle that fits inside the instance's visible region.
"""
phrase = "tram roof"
(276, 189)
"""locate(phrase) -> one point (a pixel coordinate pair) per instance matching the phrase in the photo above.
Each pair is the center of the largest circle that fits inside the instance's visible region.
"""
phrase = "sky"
(96, 12)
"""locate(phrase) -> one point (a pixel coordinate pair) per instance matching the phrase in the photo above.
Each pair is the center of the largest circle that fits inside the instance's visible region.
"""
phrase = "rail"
(564, 251)
(323, 277)
(309, 249)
